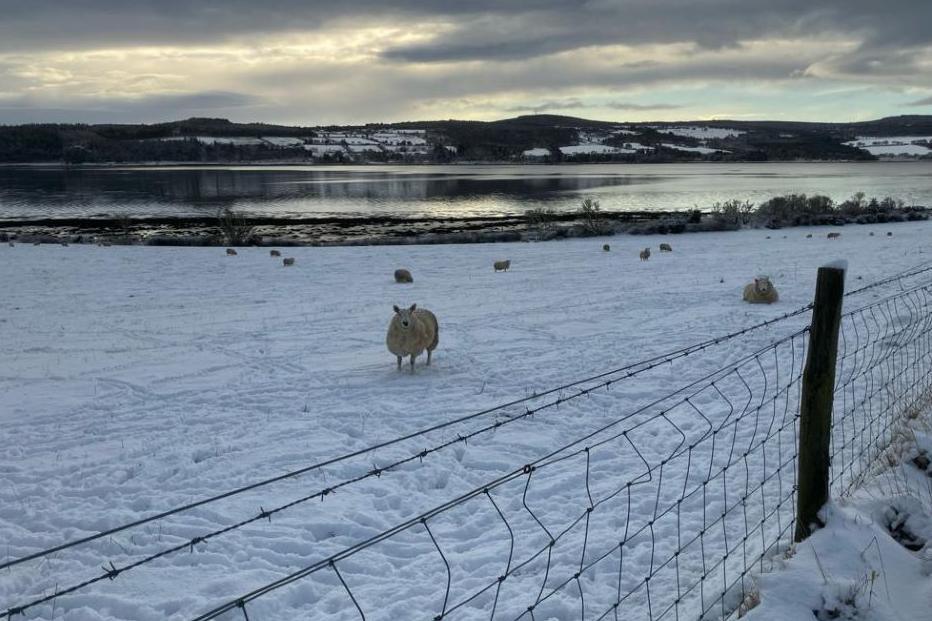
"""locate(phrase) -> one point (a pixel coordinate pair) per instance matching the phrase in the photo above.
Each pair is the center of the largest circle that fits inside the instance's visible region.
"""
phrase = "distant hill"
(541, 137)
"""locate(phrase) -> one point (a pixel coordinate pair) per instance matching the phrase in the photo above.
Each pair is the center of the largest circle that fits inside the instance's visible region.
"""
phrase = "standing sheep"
(231, 252)
(501, 266)
(889, 233)
(403, 276)
(666, 248)
(288, 261)
(645, 254)
(833, 235)
(761, 291)
(274, 253)
(410, 332)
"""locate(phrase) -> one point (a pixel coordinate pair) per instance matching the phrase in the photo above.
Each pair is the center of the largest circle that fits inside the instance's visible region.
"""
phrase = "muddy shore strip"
(389, 230)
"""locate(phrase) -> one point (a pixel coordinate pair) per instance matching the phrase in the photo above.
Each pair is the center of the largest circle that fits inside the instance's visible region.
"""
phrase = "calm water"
(30, 192)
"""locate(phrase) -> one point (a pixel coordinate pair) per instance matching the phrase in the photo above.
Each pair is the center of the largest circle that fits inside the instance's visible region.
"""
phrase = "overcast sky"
(315, 62)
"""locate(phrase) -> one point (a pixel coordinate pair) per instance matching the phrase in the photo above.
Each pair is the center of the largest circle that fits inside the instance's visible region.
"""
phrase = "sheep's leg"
(399, 362)
(428, 357)
(412, 363)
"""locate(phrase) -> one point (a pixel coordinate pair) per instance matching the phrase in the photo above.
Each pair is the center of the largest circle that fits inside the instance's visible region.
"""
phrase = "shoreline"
(394, 230)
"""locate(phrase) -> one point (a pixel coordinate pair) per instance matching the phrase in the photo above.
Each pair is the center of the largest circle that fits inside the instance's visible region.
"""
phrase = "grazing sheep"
(501, 266)
(274, 253)
(645, 254)
(231, 252)
(606, 247)
(288, 261)
(410, 332)
(809, 236)
(833, 235)
(889, 233)
(761, 291)
(666, 248)
(403, 275)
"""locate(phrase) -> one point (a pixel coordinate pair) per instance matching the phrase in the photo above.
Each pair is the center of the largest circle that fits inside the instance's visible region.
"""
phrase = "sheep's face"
(762, 285)
(405, 316)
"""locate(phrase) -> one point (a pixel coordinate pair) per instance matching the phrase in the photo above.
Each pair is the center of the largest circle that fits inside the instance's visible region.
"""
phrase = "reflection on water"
(27, 192)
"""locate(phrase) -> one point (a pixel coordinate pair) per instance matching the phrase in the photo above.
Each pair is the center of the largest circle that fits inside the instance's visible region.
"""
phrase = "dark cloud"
(925, 101)
(544, 106)
(27, 109)
(636, 107)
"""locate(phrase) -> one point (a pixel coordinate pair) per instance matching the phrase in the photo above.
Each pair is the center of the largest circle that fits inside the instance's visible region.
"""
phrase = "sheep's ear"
(413, 306)
(397, 310)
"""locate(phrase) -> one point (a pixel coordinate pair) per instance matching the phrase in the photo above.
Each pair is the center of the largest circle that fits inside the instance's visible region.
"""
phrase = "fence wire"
(661, 513)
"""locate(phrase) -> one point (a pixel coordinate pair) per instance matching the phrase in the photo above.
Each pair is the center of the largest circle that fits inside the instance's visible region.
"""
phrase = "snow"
(283, 141)
(591, 147)
(537, 152)
(892, 146)
(138, 378)
(853, 568)
(365, 148)
(321, 149)
(701, 132)
(232, 140)
(703, 150)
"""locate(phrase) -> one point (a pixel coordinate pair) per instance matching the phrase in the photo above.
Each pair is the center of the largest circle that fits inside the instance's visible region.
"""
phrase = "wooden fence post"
(815, 408)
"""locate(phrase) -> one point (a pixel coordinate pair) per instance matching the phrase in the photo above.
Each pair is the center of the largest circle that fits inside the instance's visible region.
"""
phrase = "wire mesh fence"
(661, 509)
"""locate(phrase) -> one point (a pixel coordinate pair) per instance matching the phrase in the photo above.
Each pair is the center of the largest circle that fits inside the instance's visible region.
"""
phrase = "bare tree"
(234, 227)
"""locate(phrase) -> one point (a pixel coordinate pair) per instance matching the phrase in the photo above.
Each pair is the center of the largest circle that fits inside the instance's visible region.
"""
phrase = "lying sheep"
(231, 252)
(666, 248)
(833, 235)
(761, 291)
(410, 332)
(645, 254)
(288, 261)
(274, 253)
(403, 275)
(502, 266)
(606, 247)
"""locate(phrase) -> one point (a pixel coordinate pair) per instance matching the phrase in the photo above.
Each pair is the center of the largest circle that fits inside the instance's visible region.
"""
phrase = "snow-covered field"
(701, 132)
(892, 146)
(703, 150)
(135, 379)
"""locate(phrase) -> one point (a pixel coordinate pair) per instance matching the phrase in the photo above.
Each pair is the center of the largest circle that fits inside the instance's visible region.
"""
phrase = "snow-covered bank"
(873, 560)
(134, 379)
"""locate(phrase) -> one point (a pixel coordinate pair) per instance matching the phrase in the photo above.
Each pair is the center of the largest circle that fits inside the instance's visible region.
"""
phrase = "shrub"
(731, 215)
(234, 227)
(594, 221)
(539, 218)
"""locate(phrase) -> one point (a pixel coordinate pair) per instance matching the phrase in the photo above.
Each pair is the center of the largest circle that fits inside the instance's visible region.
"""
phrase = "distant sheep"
(410, 332)
(64, 243)
(403, 276)
(274, 253)
(12, 244)
(871, 234)
(889, 233)
(645, 254)
(809, 236)
(288, 261)
(502, 266)
(761, 291)
(106, 244)
(833, 235)
(231, 252)
(36, 243)
(666, 248)
(606, 247)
